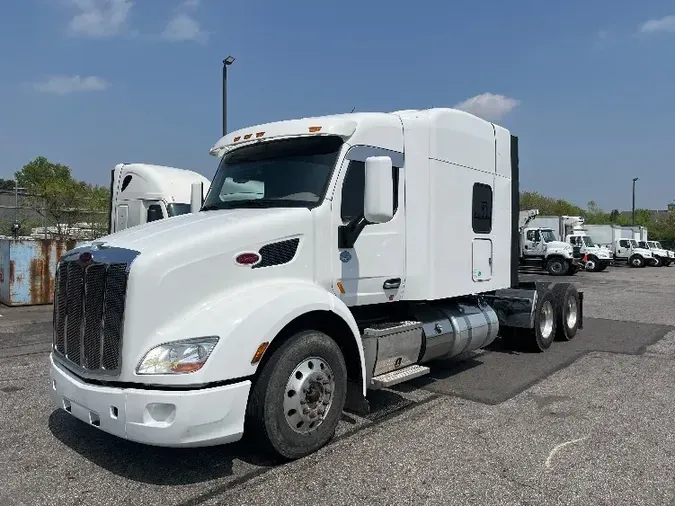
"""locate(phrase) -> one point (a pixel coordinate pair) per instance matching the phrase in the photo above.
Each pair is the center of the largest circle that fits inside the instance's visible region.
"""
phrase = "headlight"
(177, 357)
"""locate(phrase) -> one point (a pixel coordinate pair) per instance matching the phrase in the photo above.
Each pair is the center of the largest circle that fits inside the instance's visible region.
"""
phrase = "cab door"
(373, 270)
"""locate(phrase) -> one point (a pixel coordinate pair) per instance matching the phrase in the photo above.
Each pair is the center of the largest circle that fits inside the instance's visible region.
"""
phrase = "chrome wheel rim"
(308, 395)
(546, 320)
(590, 265)
(571, 312)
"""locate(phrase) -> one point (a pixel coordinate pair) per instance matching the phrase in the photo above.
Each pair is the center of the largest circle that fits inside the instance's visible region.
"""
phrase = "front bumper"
(190, 418)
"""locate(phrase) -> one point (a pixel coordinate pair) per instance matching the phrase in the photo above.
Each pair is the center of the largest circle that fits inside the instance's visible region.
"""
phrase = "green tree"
(62, 200)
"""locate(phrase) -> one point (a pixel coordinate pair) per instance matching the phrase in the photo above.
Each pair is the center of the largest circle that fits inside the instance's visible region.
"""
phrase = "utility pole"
(634, 179)
(226, 63)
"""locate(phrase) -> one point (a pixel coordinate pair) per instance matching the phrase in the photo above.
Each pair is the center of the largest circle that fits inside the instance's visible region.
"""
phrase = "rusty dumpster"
(27, 268)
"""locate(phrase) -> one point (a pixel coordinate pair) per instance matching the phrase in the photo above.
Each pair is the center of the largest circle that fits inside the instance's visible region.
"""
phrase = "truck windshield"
(177, 209)
(633, 243)
(654, 244)
(548, 235)
(283, 173)
(588, 241)
(644, 245)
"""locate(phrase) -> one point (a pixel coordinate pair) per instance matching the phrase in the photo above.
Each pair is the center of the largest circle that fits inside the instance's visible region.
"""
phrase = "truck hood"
(204, 229)
(188, 262)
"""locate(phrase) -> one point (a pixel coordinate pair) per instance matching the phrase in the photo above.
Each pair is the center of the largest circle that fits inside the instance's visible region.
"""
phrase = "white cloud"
(100, 18)
(665, 24)
(64, 85)
(488, 106)
(182, 26)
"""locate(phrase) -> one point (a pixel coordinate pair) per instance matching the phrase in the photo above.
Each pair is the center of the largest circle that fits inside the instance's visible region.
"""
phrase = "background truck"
(596, 258)
(620, 240)
(141, 193)
(661, 256)
(571, 230)
(278, 305)
(540, 246)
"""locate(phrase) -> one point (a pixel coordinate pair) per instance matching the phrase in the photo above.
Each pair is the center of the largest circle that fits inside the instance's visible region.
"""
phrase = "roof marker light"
(247, 136)
(313, 129)
(236, 139)
(259, 134)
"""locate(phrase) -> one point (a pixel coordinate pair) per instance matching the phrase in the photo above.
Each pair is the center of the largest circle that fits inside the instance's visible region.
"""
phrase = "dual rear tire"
(556, 317)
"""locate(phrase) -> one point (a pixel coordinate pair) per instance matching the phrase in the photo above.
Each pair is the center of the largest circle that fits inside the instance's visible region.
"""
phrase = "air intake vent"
(277, 253)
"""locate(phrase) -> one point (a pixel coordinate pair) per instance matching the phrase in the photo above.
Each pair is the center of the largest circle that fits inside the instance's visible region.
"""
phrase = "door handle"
(391, 284)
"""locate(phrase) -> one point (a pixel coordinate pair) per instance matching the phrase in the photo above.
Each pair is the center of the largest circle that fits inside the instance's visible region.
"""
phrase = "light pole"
(634, 179)
(226, 63)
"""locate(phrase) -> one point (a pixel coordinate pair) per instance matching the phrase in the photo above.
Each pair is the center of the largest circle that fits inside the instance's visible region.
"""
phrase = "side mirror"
(196, 197)
(379, 190)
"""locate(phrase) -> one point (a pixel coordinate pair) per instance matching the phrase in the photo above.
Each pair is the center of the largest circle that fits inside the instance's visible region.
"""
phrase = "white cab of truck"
(661, 256)
(332, 256)
(629, 251)
(598, 258)
(541, 246)
(143, 192)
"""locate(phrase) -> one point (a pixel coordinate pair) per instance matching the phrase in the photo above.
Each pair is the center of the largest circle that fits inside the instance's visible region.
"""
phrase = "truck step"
(395, 377)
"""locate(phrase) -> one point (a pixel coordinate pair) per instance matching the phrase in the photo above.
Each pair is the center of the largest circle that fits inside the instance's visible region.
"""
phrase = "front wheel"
(297, 401)
(557, 266)
(636, 261)
(592, 264)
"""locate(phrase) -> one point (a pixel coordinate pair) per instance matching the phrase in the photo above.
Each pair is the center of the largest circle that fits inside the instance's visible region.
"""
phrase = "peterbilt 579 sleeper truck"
(373, 245)
(142, 193)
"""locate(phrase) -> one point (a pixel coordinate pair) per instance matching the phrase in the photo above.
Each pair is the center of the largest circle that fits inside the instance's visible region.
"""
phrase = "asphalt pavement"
(587, 422)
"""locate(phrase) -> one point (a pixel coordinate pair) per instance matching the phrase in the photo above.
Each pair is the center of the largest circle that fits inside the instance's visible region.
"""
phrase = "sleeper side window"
(482, 208)
(353, 190)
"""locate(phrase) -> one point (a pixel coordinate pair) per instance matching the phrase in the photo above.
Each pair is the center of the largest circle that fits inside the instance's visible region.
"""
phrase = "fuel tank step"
(395, 377)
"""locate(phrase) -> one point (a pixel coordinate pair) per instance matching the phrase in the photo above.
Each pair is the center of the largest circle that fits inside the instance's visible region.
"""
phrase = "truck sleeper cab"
(316, 270)
(142, 193)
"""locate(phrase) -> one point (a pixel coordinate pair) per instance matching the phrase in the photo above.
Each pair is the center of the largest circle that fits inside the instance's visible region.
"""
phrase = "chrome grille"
(89, 302)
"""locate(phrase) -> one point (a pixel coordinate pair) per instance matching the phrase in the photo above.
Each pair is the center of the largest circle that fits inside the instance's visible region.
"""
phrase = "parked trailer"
(269, 315)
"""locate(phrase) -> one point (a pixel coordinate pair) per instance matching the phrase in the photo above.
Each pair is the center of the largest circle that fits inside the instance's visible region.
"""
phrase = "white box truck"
(363, 248)
(539, 245)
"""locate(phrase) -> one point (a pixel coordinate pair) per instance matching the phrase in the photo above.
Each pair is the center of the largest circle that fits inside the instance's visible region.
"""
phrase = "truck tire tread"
(265, 417)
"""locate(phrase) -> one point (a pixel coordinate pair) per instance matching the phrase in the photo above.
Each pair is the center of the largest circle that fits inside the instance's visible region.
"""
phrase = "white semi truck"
(540, 246)
(141, 193)
(374, 245)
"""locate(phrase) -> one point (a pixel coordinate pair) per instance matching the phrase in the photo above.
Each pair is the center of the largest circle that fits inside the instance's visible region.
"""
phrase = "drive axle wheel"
(544, 330)
(297, 401)
(568, 310)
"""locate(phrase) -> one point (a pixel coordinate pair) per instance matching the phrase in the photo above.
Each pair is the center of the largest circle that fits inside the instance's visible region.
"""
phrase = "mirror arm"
(349, 233)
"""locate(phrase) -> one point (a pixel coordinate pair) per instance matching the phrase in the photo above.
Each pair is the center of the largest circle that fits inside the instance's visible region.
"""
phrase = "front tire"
(297, 401)
(557, 266)
(636, 261)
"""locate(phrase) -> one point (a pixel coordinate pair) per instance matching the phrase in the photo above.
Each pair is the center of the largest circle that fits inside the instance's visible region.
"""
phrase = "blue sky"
(585, 85)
